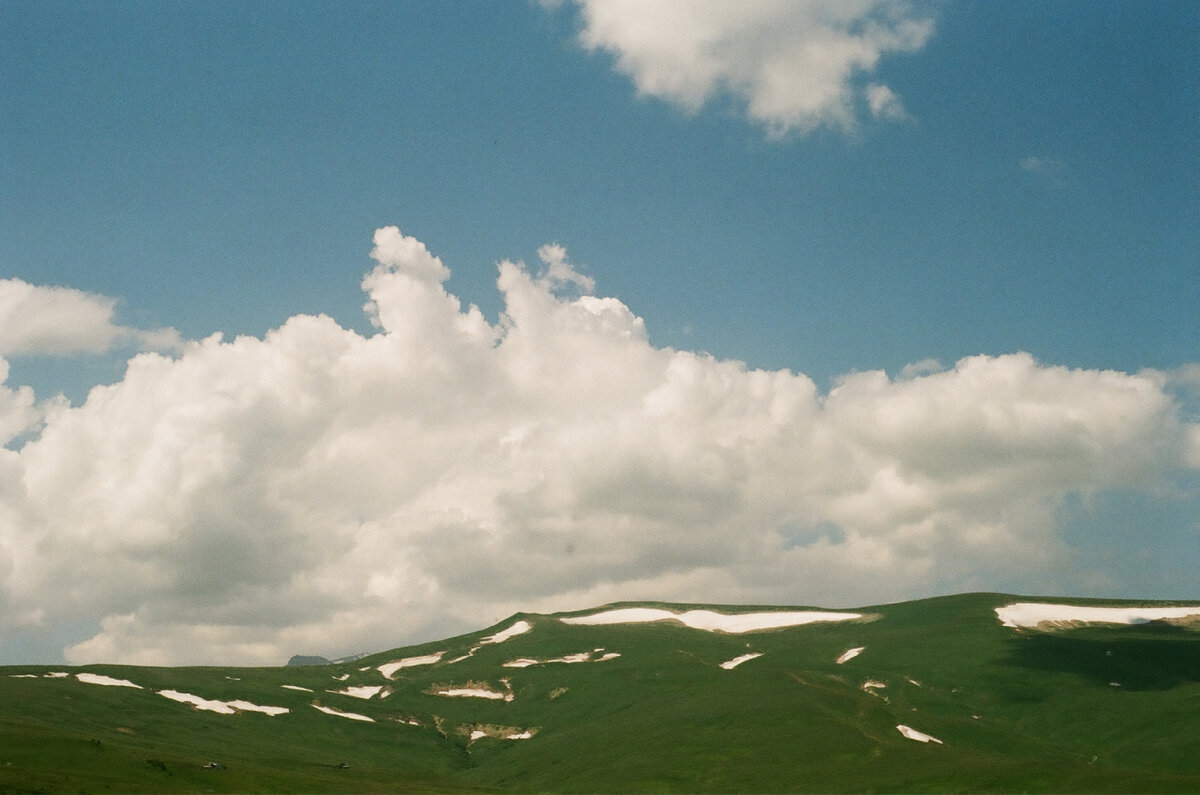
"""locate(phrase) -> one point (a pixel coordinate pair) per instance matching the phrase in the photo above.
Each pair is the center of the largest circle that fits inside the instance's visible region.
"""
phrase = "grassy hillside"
(1093, 708)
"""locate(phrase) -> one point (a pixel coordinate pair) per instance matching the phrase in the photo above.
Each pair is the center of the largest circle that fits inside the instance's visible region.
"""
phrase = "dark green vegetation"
(1097, 708)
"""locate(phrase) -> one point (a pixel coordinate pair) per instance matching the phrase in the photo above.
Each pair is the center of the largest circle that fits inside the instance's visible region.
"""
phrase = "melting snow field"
(340, 714)
(364, 693)
(1030, 614)
(580, 657)
(221, 707)
(920, 737)
(389, 669)
(100, 679)
(519, 628)
(729, 665)
(709, 620)
(850, 654)
(473, 692)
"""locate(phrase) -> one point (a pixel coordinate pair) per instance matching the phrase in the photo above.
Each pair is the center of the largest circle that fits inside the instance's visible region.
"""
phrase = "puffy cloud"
(36, 319)
(318, 490)
(795, 64)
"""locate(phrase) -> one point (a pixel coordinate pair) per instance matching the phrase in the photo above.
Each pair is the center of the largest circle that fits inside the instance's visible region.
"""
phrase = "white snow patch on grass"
(246, 706)
(477, 734)
(365, 692)
(729, 665)
(1030, 614)
(56, 675)
(519, 628)
(578, 657)
(913, 734)
(525, 735)
(850, 654)
(101, 679)
(221, 707)
(198, 702)
(472, 692)
(23, 676)
(470, 653)
(296, 687)
(341, 678)
(711, 621)
(340, 714)
(389, 669)
(871, 684)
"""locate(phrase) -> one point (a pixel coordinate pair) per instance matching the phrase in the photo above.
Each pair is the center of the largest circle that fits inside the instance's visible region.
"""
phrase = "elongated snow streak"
(296, 687)
(340, 714)
(729, 665)
(56, 675)
(364, 693)
(850, 654)
(1030, 614)
(23, 676)
(519, 628)
(525, 735)
(711, 621)
(389, 669)
(873, 685)
(100, 679)
(579, 657)
(221, 707)
(920, 737)
(473, 692)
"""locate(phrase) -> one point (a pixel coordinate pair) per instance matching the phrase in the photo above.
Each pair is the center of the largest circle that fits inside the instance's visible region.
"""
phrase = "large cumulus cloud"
(324, 491)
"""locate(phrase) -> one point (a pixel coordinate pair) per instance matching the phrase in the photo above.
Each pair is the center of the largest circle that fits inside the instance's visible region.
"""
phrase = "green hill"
(639, 707)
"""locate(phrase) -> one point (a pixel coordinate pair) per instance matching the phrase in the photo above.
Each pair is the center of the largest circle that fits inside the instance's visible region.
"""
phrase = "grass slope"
(1096, 708)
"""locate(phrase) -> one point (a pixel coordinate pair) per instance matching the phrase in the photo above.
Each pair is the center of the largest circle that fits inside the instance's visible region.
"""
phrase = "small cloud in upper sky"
(794, 66)
(62, 321)
(884, 103)
(1050, 169)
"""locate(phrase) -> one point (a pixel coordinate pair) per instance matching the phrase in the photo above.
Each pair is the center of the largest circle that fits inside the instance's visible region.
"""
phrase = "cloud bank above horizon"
(320, 490)
(791, 65)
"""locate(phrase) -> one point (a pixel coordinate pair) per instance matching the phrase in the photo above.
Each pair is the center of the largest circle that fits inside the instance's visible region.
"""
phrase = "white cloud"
(322, 491)
(36, 319)
(795, 64)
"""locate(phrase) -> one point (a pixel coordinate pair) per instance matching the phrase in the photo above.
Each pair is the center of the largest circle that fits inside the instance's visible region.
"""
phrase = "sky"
(332, 327)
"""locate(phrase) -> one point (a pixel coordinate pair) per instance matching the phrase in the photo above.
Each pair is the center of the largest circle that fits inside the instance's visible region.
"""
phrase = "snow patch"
(519, 628)
(709, 620)
(913, 734)
(578, 657)
(340, 714)
(100, 679)
(525, 735)
(56, 675)
(221, 707)
(341, 678)
(871, 684)
(389, 669)
(366, 692)
(1031, 614)
(473, 692)
(850, 654)
(296, 687)
(729, 665)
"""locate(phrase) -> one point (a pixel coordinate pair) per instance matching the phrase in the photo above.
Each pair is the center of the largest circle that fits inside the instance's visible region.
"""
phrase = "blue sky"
(222, 167)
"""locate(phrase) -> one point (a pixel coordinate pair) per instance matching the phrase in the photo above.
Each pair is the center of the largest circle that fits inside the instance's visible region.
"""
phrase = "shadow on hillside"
(1157, 657)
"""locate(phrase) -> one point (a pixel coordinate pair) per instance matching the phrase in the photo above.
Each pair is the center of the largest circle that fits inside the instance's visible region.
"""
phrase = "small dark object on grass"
(341, 766)
(214, 766)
